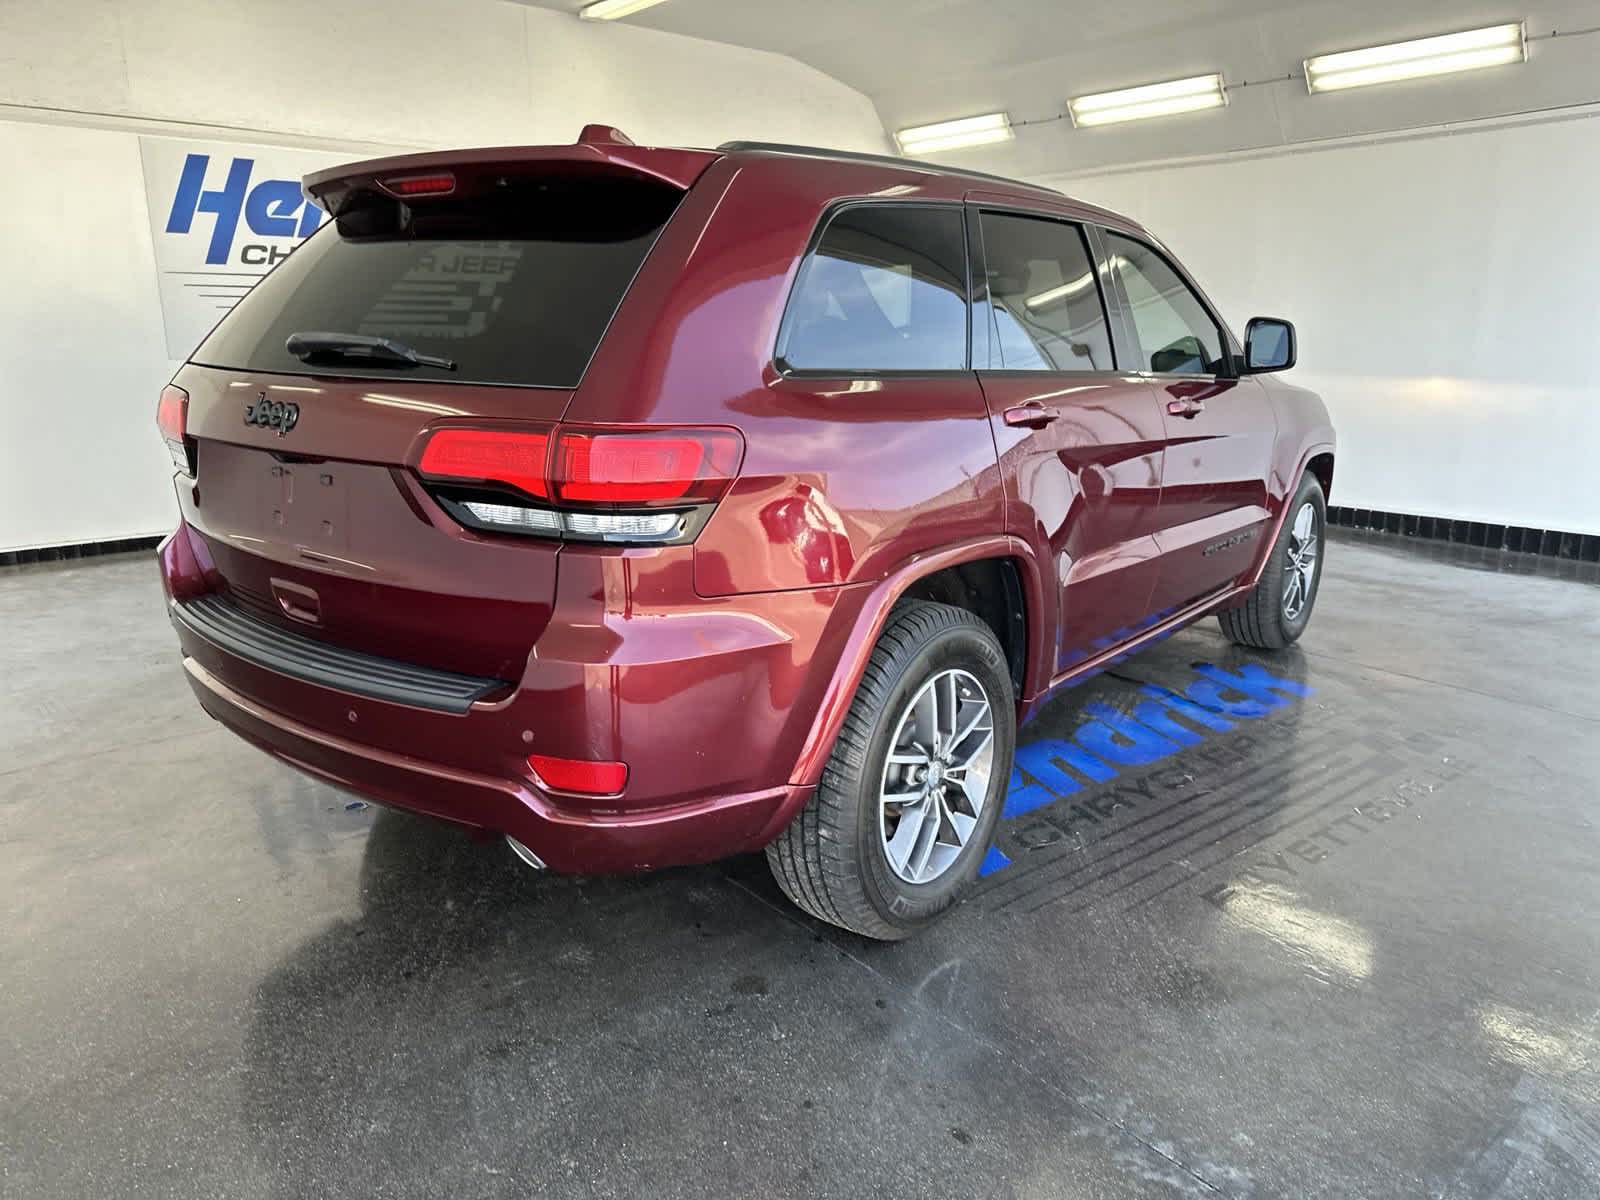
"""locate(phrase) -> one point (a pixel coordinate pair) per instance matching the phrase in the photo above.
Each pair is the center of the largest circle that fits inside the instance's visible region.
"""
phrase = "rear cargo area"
(470, 293)
(349, 552)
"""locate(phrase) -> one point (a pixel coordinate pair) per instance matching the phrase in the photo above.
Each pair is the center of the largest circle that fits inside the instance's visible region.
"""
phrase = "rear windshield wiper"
(307, 346)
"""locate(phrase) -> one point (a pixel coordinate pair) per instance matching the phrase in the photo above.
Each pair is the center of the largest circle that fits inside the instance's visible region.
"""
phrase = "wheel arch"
(1321, 465)
(992, 590)
(936, 572)
(1316, 459)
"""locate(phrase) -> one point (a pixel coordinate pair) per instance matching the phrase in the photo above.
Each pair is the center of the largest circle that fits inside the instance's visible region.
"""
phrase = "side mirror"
(1269, 345)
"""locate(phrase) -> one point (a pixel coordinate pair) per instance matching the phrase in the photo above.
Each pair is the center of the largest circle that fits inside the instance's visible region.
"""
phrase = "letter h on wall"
(191, 197)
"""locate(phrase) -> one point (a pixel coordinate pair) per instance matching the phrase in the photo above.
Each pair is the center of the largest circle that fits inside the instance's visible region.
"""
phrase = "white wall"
(81, 348)
(1447, 293)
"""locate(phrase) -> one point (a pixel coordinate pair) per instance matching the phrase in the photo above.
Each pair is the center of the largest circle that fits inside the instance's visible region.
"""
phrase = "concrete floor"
(1347, 946)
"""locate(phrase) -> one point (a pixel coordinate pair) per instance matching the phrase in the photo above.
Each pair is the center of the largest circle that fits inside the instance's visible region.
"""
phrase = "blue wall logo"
(221, 217)
(1099, 749)
(272, 208)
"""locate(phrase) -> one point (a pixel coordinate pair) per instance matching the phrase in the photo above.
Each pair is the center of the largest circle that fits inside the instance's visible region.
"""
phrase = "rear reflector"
(172, 418)
(516, 459)
(441, 184)
(645, 468)
(579, 775)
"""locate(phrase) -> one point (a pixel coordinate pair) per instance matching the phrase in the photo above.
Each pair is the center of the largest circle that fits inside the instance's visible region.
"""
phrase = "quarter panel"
(845, 479)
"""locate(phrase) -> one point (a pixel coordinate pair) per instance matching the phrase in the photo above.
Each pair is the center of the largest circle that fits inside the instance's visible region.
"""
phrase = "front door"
(1079, 438)
(1219, 428)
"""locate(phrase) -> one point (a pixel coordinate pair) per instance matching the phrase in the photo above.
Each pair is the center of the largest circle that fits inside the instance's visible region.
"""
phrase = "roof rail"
(888, 160)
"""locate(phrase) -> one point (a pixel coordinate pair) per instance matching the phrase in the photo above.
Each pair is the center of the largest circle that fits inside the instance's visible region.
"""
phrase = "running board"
(1184, 616)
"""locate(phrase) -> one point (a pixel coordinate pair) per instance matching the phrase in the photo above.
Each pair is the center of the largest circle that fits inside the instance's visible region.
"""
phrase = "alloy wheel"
(936, 778)
(1300, 573)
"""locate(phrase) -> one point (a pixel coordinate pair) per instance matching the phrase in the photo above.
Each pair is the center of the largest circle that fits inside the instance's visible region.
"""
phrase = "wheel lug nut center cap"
(935, 773)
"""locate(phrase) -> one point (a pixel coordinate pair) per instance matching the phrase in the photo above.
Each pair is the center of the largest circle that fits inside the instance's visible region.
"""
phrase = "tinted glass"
(885, 290)
(1046, 313)
(515, 289)
(1176, 333)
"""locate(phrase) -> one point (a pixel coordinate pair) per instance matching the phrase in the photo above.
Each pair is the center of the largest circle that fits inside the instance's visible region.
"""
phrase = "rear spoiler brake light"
(601, 152)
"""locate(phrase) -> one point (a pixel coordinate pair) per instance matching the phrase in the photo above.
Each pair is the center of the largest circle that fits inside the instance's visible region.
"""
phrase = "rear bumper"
(710, 703)
(566, 840)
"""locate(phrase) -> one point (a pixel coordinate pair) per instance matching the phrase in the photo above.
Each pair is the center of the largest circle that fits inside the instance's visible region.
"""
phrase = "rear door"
(873, 350)
(1220, 428)
(305, 490)
(1079, 435)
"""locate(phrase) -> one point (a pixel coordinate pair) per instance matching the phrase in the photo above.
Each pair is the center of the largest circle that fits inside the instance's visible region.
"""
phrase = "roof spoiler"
(599, 151)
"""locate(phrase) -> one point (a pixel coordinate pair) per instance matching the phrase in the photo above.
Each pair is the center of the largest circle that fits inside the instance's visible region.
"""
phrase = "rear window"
(885, 290)
(1044, 301)
(514, 288)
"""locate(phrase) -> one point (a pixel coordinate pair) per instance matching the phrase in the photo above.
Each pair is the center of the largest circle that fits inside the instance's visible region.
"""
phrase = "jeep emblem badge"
(272, 414)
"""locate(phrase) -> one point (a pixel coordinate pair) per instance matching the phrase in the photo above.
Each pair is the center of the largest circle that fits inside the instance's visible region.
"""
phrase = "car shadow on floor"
(476, 1026)
(481, 1029)
(472, 999)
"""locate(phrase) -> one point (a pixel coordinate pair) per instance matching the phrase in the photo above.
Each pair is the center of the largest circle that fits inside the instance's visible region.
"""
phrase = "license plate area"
(307, 507)
(353, 563)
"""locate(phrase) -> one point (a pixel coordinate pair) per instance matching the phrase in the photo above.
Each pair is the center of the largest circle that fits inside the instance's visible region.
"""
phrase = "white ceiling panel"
(930, 60)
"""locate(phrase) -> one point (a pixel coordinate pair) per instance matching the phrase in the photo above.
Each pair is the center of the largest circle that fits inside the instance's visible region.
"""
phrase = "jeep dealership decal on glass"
(221, 216)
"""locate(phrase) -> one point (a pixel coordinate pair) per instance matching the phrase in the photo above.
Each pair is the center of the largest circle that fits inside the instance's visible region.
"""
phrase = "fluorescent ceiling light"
(1152, 100)
(1491, 47)
(953, 135)
(612, 10)
(1044, 299)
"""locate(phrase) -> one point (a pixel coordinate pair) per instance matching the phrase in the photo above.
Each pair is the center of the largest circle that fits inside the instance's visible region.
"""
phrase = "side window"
(885, 290)
(1045, 309)
(1176, 333)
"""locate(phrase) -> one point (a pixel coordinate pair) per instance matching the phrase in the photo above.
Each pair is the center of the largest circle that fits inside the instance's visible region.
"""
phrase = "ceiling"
(931, 60)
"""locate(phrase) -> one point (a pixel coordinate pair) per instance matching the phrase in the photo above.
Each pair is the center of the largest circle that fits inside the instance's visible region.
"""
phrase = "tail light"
(516, 459)
(671, 467)
(172, 419)
(608, 485)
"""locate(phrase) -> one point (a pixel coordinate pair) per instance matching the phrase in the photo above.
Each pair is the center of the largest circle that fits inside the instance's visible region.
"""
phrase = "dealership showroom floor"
(543, 522)
(1346, 947)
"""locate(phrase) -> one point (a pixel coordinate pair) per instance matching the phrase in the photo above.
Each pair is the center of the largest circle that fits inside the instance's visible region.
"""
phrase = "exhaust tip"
(526, 855)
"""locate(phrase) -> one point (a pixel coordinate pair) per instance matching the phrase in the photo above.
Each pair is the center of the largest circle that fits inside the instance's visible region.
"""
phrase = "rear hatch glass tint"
(514, 284)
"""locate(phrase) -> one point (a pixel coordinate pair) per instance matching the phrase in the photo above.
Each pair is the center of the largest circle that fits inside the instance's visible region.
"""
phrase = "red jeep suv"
(646, 506)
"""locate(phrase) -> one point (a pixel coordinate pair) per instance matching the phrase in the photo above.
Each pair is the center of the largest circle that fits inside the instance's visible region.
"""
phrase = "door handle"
(1186, 408)
(1031, 415)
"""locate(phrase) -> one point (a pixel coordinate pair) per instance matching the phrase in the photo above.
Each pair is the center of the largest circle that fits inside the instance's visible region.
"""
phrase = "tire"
(834, 859)
(1267, 620)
